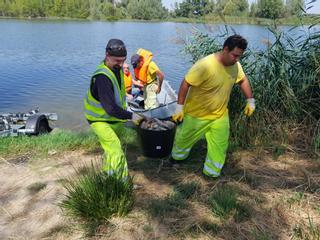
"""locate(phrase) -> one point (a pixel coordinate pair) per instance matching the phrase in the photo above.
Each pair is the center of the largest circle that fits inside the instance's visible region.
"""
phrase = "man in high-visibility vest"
(148, 73)
(202, 104)
(105, 107)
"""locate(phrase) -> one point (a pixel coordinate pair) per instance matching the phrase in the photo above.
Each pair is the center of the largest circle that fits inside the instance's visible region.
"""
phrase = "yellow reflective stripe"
(96, 115)
(210, 171)
(216, 164)
(182, 149)
(178, 155)
(93, 104)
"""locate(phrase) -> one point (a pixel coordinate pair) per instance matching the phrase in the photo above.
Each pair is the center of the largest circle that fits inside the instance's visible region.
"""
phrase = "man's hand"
(250, 107)
(158, 90)
(178, 114)
(129, 96)
(137, 118)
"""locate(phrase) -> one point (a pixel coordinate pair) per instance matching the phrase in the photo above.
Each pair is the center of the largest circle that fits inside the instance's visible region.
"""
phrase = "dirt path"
(283, 196)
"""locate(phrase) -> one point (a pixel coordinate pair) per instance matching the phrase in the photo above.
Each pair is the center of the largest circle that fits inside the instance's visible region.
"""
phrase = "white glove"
(250, 107)
(136, 118)
(178, 114)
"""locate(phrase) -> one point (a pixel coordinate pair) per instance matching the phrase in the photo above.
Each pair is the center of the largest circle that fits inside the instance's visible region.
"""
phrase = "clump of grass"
(224, 202)
(173, 202)
(297, 197)
(260, 235)
(95, 196)
(186, 190)
(36, 187)
(309, 232)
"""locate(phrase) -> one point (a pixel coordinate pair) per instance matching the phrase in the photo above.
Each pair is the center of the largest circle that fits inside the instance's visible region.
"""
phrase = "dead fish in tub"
(156, 124)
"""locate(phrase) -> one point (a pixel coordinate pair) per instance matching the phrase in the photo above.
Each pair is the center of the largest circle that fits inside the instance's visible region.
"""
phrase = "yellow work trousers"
(216, 133)
(114, 160)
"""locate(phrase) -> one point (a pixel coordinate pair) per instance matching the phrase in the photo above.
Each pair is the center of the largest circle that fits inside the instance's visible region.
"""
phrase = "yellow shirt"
(211, 85)
(151, 75)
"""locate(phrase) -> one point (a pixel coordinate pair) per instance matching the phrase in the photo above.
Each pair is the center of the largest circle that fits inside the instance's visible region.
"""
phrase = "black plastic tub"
(156, 144)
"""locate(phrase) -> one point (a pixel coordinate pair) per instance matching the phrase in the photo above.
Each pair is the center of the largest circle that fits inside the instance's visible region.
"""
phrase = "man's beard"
(116, 68)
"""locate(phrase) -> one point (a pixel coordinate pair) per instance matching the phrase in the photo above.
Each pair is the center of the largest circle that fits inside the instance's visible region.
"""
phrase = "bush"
(93, 196)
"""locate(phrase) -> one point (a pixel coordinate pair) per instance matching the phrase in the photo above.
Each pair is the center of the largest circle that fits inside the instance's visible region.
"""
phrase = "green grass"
(36, 187)
(309, 232)
(296, 197)
(174, 201)
(60, 141)
(224, 203)
(218, 19)
(260, 235)
(94, 197)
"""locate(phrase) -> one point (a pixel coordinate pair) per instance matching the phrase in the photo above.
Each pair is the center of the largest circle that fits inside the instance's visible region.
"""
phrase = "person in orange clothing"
(133, 87)
(149, 74)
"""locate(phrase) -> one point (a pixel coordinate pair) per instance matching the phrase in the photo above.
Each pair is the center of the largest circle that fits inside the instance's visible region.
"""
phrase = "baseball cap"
(116, 47)
(135, 59)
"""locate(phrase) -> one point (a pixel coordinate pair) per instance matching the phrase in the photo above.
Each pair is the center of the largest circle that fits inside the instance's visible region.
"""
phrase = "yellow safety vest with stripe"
(93, 109)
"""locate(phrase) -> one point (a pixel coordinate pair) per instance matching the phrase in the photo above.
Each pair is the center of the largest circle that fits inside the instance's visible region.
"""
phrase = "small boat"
(167, 101)
(30, 123)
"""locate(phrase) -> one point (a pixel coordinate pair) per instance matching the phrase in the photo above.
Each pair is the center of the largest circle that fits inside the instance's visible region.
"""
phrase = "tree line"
(148, 9)
(85, 9)
(260, 8)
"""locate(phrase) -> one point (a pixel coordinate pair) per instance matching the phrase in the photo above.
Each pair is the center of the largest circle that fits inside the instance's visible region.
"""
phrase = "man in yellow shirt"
(149, 74)
(203, 104)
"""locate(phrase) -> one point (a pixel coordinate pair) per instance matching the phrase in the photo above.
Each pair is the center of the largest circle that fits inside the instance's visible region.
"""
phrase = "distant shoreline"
(209, 19)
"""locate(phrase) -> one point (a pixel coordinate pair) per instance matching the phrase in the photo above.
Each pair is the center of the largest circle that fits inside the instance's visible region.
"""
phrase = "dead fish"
(157, 125)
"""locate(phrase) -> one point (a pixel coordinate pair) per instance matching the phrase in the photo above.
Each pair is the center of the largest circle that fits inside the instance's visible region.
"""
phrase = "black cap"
(115, 47)
(135, 60)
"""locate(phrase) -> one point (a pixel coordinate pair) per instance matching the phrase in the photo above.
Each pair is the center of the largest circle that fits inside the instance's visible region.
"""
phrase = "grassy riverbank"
(208, 19)
(264, 193)
(216, 19)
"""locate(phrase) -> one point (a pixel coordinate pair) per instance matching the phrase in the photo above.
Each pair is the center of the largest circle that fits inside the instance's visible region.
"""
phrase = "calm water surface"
(48, 64)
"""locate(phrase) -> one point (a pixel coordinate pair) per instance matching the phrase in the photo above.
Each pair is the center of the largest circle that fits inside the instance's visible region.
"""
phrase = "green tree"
(231, 9)
(270, 8)
(190, 8)
(236, 7)
(253, 10)
(294, 7)
(147, 9)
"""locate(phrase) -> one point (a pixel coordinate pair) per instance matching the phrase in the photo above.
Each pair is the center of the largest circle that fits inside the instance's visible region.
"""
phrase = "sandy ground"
(31, 188)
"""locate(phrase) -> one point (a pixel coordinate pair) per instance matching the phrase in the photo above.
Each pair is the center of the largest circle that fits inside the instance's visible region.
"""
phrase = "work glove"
(137, 118)
(250, 107)
(178, 114)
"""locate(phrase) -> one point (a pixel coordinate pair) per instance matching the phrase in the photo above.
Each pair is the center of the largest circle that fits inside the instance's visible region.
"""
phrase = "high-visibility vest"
(93, 109)
(128, 81)
(142, 73)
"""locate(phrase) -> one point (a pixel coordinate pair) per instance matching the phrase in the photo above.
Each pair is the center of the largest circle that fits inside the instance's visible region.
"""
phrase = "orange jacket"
(142, 73)
(128, 81)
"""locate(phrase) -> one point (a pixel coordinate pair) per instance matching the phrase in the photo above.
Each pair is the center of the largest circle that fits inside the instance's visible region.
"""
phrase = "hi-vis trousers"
(114, 160)
(216, 133)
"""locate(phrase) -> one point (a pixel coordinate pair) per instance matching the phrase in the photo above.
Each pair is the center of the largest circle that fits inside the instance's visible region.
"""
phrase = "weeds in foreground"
(95, 196)
(173, 202)
(36, 187)
(310, 232)
(224, 202)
